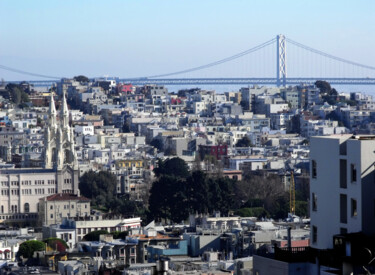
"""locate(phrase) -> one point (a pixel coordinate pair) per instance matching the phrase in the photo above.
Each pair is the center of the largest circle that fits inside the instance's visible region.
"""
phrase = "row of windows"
(26, 182)
(130, 164)
(343, 206)
(16, 217)
(12, 183)
(16, 192)
(88, 230)
(39, 191)
(14, 208)
(343, 172)
(6, 192)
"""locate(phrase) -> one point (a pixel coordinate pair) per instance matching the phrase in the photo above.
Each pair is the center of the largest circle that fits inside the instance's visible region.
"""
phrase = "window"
(343, 208)
(353, 172)
(314, 200)
(343, 173)
(51, 207)
(314, 234)
(354, 207)
(51, 216)
(313, 169)
(27, 207)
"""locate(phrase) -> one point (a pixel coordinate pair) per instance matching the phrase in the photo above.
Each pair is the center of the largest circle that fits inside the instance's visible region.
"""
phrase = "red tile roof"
(66, 197)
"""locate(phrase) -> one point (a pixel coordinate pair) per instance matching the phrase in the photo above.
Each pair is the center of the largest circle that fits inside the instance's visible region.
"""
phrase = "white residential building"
(342, 188)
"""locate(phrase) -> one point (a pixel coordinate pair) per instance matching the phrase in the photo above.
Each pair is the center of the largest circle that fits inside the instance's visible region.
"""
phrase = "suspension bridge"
(280, 61)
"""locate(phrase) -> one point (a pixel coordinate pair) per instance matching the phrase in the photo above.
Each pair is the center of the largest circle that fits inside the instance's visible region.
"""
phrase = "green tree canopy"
(81, 78)
(99, 187)
(176, 167)
(258, 212)
(323, 86)
(120, 234)
(244, 142)
(28, 248)
(94, 235)
(265, 191)
(174, 198)
(157, 143)
(56, 244)
(17, 94)
(166, 199)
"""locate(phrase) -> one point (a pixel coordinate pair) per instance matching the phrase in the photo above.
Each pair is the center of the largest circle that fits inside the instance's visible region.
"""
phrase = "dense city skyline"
(119, 38)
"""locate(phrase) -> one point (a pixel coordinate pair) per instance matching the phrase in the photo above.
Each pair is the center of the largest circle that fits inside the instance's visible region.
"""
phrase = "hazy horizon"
(141, 38)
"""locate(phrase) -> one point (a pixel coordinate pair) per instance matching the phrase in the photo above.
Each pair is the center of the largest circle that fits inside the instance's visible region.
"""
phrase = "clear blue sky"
(144, 37)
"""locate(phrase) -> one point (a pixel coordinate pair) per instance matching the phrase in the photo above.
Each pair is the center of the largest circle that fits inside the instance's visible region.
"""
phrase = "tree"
(99, 187)
(94, 236)
(244, 142)
(302, 209)
(267, 189)
(176, 167)
(56, 244)
(28, 248)
(81, 78)
(258, 212)
(157, 143)
(323, 86)
(120, 234)
(126, 127)
(226, 186)
(166, 195)
(16, 95)
(198, 193)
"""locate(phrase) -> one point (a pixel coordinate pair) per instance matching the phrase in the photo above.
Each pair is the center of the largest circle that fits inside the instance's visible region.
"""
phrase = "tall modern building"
(342, 211)
(342, 187)
(22, 188)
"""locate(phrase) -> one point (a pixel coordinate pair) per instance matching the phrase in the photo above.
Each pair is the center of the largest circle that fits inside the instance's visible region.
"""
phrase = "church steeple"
(59, 138)
(52, 113)
(64, 113)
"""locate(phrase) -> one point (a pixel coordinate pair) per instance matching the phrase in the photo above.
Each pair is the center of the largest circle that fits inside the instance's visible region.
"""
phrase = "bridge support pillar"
(281, 60)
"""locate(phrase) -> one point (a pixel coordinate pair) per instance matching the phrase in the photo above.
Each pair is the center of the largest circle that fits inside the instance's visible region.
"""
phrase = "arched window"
(27, 207)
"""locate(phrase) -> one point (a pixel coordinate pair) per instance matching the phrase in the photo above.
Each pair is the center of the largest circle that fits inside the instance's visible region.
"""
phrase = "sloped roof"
(66, 197)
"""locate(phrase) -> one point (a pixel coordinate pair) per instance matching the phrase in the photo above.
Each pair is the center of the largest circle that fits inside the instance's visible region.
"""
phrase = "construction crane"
(292, 195)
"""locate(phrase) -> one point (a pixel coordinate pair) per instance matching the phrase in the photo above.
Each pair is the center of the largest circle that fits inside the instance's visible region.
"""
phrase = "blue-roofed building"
(173, 249)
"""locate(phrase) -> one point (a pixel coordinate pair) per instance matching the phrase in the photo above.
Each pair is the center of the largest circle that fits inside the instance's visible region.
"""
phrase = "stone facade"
(22, 188)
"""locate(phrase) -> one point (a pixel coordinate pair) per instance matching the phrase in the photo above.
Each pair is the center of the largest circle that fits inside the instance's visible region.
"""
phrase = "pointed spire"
(64, 113)
(52, 113)
(52, 108)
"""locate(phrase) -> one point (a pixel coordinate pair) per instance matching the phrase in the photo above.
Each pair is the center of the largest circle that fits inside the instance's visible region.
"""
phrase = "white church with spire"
(21, 188)
(59, 139)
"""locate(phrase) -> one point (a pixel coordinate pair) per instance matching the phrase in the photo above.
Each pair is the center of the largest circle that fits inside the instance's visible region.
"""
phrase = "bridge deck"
(227, 81)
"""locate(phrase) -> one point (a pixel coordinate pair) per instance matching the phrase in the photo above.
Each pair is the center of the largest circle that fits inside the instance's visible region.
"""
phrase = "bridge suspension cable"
(27, 73)
(329, 55)
(236, 56)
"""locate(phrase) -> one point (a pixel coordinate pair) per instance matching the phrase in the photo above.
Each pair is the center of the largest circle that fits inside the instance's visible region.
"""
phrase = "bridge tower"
(281, 60)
